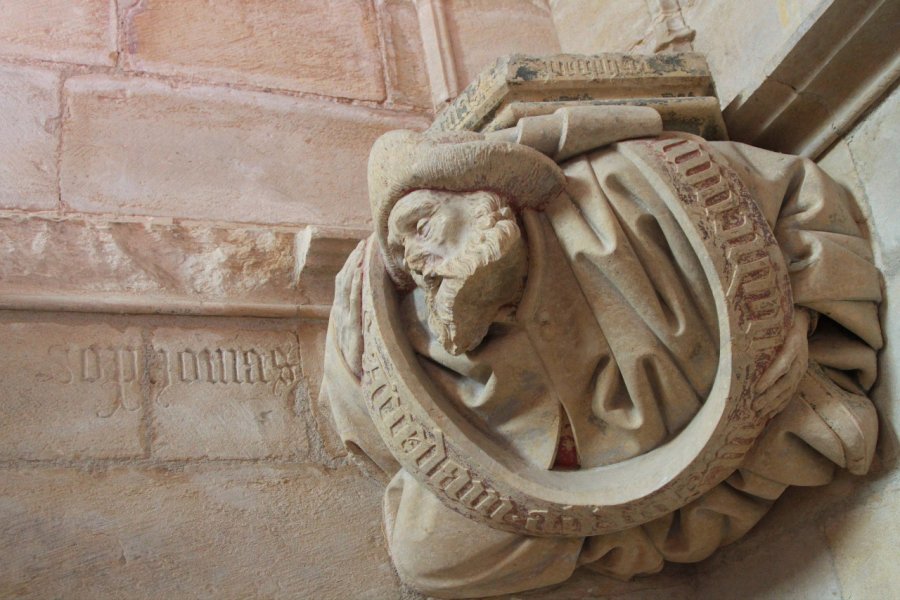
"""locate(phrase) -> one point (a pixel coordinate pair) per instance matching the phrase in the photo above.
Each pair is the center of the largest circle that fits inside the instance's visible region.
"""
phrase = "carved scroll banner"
(474, 477)
(678, 86)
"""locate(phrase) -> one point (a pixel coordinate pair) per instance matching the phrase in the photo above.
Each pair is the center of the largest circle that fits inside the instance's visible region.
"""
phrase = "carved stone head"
(445, 215)
(465, 251)
(403, 162)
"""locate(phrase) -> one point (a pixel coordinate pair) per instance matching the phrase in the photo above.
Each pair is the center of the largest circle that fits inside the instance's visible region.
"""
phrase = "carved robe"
(616, 335)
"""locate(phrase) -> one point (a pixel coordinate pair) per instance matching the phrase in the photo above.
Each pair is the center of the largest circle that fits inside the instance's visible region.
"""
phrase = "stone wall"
(180, 181)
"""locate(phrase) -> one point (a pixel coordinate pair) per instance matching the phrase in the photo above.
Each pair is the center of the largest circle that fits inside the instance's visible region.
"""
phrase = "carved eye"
(422, 227)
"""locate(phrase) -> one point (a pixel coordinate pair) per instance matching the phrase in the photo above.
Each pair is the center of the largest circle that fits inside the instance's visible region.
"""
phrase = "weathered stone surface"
(481, 31)
(673, 583)
(838, 163)
(873, 146)
(864, 544)
(202, 530)
(76, 31)
(29, 136)
(591, 26)
(700, 116)
(406, 63)
(229, 393)
(814, 88)
(71, 389)
(462, 37)
(865, 163)
(310, 336)
(792, 566)
(328, 48)
(488, 103)
(740, 40)
(143, 147)
(67, 256)
(251, 531)
(160, 266)
(457, 390)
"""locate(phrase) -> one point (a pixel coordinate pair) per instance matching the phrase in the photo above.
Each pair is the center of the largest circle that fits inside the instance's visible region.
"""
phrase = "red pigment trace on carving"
(686, 156)
(668, 147)
(566, 452)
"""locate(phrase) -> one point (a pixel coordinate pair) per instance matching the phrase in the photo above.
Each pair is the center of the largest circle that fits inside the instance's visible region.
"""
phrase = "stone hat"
(405, 161)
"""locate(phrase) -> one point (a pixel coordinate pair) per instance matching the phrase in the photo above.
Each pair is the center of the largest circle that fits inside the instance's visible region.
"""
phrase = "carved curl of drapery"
(584, 341)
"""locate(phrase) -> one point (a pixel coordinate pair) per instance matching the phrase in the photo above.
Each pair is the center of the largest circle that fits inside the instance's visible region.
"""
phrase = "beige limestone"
(871, 147)
(328, 48)
(864, 162)
(69, 256)
(311, 334)
(77, 31)
(638, 398)
(862, 536)
(838, 163)
(29, 137)
(157, 266)
(229, 393)
(534, 503)
(806, 97)
(528, 85)
(72, 389)
(789, 73)
(740, 39)
(672, 584)
(592, 26)
(637, 26)
(241, 531)
(437, 46)
(862, 541)
(793, 567)
(789, 566)
(670, 31)
(145, 147)
(460, 38)
(698, 115)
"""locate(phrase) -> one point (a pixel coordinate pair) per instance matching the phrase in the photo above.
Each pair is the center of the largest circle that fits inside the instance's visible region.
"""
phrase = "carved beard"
(464, 294)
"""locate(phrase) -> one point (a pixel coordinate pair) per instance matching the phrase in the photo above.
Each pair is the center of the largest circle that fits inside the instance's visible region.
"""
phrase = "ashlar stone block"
(29, 136)
(228, 393)
(328, 48)
(145, 147)
(73, 31)
(253, 531)
(71, 389)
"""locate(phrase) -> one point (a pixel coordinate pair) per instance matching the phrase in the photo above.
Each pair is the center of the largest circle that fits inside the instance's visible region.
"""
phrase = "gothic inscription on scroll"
(588, 342)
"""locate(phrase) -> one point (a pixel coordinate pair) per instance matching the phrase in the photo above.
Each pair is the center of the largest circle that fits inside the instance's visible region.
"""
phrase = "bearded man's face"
(466, 252)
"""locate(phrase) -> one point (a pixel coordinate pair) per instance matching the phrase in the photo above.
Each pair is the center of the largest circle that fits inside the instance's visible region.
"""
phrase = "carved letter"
(91, 368)
(187, 363)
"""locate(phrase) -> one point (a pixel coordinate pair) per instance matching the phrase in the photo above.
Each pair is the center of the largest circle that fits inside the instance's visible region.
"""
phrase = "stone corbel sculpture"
(584, 341)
